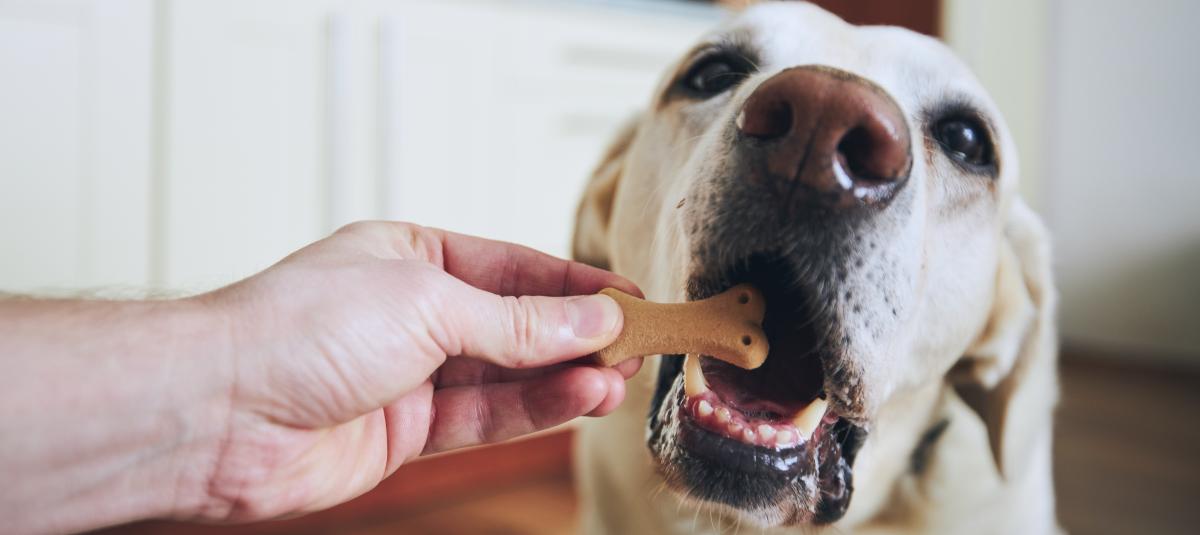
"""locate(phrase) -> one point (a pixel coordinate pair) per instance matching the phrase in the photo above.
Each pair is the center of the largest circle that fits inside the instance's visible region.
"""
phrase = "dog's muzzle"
(812, 145)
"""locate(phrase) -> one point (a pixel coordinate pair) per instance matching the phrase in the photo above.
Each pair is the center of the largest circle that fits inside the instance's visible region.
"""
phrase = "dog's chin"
(809, 482)
(767, 446)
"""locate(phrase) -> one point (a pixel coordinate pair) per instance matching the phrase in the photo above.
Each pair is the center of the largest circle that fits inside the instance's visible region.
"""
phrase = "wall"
(1101, 97)
(1124, 188)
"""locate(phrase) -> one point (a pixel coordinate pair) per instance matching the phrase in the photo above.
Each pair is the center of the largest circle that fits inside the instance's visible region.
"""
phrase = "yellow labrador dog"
(864, 181)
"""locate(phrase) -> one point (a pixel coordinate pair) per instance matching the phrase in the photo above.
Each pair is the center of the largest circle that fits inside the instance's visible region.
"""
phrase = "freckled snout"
(823, 136)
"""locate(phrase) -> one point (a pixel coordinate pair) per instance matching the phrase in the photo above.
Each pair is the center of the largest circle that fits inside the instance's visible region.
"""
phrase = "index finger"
(509, 269)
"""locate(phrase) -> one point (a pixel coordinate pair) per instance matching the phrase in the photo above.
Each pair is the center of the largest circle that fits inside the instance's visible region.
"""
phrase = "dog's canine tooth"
(704, 408)
(693, 377)
(810, 417)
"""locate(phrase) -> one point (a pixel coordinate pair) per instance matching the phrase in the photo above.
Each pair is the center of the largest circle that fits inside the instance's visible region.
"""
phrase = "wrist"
(199, 347)
(116, 409)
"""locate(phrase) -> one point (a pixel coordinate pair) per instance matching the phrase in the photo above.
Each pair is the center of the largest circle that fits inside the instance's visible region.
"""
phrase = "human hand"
(387, 341)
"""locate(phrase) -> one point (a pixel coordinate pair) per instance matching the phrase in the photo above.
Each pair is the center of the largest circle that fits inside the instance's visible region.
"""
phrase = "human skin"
(298, 388)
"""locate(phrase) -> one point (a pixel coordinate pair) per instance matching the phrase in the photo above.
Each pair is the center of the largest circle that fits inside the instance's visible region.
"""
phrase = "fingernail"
(592, 316)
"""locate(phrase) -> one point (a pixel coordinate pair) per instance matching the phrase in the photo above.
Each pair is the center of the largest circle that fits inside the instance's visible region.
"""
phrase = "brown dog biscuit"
(726, 326)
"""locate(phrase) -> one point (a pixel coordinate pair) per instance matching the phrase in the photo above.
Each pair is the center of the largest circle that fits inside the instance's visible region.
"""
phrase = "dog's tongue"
(790, 378)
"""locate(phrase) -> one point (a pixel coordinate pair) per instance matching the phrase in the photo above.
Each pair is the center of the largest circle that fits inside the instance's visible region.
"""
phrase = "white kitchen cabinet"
(75, 144)
(184, 144)
(243, 182)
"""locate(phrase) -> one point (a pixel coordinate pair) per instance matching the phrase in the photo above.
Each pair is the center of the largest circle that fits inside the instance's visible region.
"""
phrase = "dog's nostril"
(768, 119)
(746, 340)
(869, 158)
(855, 152)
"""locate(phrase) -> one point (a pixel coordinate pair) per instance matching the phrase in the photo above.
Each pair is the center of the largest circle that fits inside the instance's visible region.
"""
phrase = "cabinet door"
(243, 182)
(75, 144)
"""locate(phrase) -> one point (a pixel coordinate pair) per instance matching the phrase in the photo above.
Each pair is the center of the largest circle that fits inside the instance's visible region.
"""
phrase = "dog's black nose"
(825, 136)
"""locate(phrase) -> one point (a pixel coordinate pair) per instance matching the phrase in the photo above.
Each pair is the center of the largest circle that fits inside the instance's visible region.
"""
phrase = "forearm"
(109, 411)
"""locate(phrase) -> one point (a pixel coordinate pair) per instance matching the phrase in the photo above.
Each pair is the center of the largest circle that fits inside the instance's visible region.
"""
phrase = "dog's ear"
(590, 244)
(1008, 372)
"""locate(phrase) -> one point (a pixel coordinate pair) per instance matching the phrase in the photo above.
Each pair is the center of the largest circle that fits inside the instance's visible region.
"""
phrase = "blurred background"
(172, 146)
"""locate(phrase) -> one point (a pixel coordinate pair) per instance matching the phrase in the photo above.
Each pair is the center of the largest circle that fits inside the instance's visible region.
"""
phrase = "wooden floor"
(1127, 458)
(543, 507)
(1127, 461)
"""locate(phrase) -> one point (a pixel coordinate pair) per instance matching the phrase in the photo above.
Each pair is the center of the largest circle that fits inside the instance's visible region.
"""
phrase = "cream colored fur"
(977, 348)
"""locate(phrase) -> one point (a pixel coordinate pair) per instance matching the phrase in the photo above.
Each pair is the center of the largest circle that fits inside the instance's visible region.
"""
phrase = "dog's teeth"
(807, 421)
(784, 438)
(723, 415)
(734, 428)
(704, 408)
(766, 432)
(748, 435)
(693, 377)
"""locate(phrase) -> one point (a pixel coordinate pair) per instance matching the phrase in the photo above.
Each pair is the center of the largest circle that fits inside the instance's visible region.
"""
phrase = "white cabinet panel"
(74, 144)
(439, 152)
(244, 159)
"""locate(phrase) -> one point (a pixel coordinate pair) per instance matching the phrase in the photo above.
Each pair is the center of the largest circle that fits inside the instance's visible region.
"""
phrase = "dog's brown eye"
(965, 140)
(715, 75)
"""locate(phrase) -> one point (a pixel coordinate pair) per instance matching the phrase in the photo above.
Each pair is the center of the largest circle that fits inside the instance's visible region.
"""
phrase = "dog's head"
(864, 181)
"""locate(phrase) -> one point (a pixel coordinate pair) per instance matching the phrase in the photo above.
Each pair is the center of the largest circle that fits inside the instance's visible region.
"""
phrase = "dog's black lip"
(746, 458)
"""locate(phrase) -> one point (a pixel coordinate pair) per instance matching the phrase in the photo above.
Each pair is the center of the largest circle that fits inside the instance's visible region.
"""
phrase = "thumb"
(532, 331)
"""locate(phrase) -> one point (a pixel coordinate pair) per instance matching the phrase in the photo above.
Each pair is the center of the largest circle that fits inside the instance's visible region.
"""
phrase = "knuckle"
(357, 227)
(399, 236)
(524, 317)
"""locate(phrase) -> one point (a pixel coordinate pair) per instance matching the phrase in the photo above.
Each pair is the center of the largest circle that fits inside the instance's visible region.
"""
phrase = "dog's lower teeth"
(693, 377)
(766, 432)
(748, 435)
(784, 438)
(730, 423)
(810, 417)
(723, 415)
(721, 419)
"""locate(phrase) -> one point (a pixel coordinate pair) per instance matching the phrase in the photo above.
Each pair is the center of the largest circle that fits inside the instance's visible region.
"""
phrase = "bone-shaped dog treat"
(726, 326)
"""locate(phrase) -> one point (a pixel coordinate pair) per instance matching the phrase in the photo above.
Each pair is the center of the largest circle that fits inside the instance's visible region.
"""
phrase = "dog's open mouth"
(767, 442)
